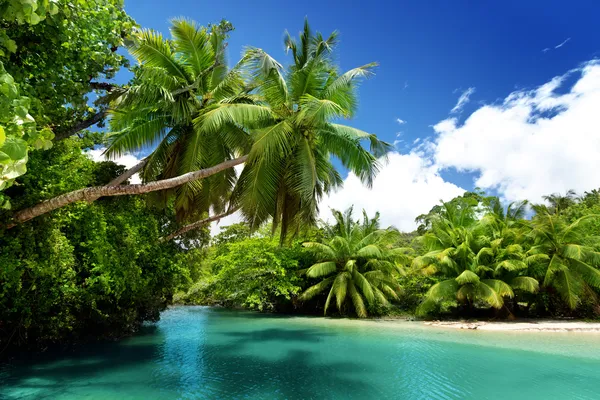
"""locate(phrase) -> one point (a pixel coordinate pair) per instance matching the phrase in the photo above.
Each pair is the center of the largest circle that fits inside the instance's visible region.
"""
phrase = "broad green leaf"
(15, 148)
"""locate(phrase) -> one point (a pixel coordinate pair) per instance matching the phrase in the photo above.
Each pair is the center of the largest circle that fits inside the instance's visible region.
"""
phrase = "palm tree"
(565, 255)
(289, 167)
(357, 265)
(201, 116)
(559, 203)
(178, 82)
(480, 261)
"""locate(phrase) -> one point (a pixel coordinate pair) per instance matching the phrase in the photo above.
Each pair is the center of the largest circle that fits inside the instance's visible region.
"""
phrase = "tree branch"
(197, 224)
(128, 174)
(92, 193)
(109, 87)
(86, 123)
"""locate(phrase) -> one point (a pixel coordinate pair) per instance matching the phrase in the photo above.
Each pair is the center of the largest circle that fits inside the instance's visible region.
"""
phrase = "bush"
(87, 270)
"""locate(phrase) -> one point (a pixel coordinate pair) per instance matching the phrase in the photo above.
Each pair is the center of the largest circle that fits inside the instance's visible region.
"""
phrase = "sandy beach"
(518, 326)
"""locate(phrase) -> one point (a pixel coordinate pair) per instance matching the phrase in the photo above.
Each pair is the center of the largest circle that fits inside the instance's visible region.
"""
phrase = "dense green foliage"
(473, 258)
(88, 271)
(547, 264)
(50, 54)
(254, 272)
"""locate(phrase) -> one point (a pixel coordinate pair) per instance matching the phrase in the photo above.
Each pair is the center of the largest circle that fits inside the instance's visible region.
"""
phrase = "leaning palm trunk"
(128, 174)
(123, 177)
(92, 193)
(197, 224)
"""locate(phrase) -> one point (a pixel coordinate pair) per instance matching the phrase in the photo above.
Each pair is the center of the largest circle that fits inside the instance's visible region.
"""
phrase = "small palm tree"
(565, 254)
(356, 265)
(559, 203)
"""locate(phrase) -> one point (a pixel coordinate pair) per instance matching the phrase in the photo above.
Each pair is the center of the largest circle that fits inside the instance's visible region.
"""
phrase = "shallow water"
(204, 353)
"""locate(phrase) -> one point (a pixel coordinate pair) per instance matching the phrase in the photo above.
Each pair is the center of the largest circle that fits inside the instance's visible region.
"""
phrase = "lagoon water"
(206, 353)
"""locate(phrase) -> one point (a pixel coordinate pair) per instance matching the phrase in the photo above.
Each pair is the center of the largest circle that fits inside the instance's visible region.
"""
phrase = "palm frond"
(316, 289)
(321, 269)
(364, 285)
(525, 283)
(192, 44)
(320, 250)
(153, 50)
(357, 300)
(467, 277)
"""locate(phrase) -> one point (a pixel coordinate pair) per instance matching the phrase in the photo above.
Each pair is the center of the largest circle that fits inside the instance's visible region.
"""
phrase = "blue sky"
(430, 53)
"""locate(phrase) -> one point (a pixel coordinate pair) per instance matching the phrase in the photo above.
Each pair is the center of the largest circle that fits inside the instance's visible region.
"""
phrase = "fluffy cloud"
(407, 186)
(462, 100)
(128, 161)
(534, 143)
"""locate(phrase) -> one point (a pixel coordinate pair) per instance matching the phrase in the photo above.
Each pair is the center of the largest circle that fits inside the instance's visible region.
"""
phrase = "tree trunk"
(197, 224)
(92, 193)
(128, 174)
(124, 176)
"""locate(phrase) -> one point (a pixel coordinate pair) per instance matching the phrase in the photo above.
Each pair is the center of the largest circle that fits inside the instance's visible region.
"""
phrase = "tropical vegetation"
(357, 263)
(86, 254)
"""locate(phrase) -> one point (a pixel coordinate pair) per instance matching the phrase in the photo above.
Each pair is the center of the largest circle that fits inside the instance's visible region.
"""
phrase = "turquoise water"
(204, 353)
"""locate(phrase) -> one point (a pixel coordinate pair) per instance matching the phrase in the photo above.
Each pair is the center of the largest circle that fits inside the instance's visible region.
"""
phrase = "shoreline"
(519, 326)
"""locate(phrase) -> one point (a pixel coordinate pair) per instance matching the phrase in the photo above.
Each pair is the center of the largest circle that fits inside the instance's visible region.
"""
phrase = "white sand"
(530, 325)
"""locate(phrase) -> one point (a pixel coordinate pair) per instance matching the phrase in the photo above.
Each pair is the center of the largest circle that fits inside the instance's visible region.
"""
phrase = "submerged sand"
(521, 326)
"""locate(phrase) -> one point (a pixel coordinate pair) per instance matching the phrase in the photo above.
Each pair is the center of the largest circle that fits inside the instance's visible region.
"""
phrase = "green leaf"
(4, 158)
(321, 269)
(15, 148)
(467, 277)
(525, 284)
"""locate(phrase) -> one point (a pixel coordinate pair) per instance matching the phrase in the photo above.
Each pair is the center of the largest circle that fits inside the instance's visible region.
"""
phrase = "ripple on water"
(204, 353)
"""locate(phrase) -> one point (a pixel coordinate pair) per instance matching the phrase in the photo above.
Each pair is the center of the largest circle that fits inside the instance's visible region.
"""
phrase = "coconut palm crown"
(289, 168)
(357, 265)
(178, 82)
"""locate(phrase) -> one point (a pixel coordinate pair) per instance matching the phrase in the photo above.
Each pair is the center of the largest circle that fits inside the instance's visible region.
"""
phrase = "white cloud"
(128, 161)
(215, 227)
(400, 121)
(407, 186)
(536, 142)
(558, 46)
(462, 100)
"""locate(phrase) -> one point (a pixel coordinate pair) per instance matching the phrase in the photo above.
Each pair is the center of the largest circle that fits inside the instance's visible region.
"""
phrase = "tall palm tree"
(289, 167)
(179, 81)
(565, 255)
(357, 265)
